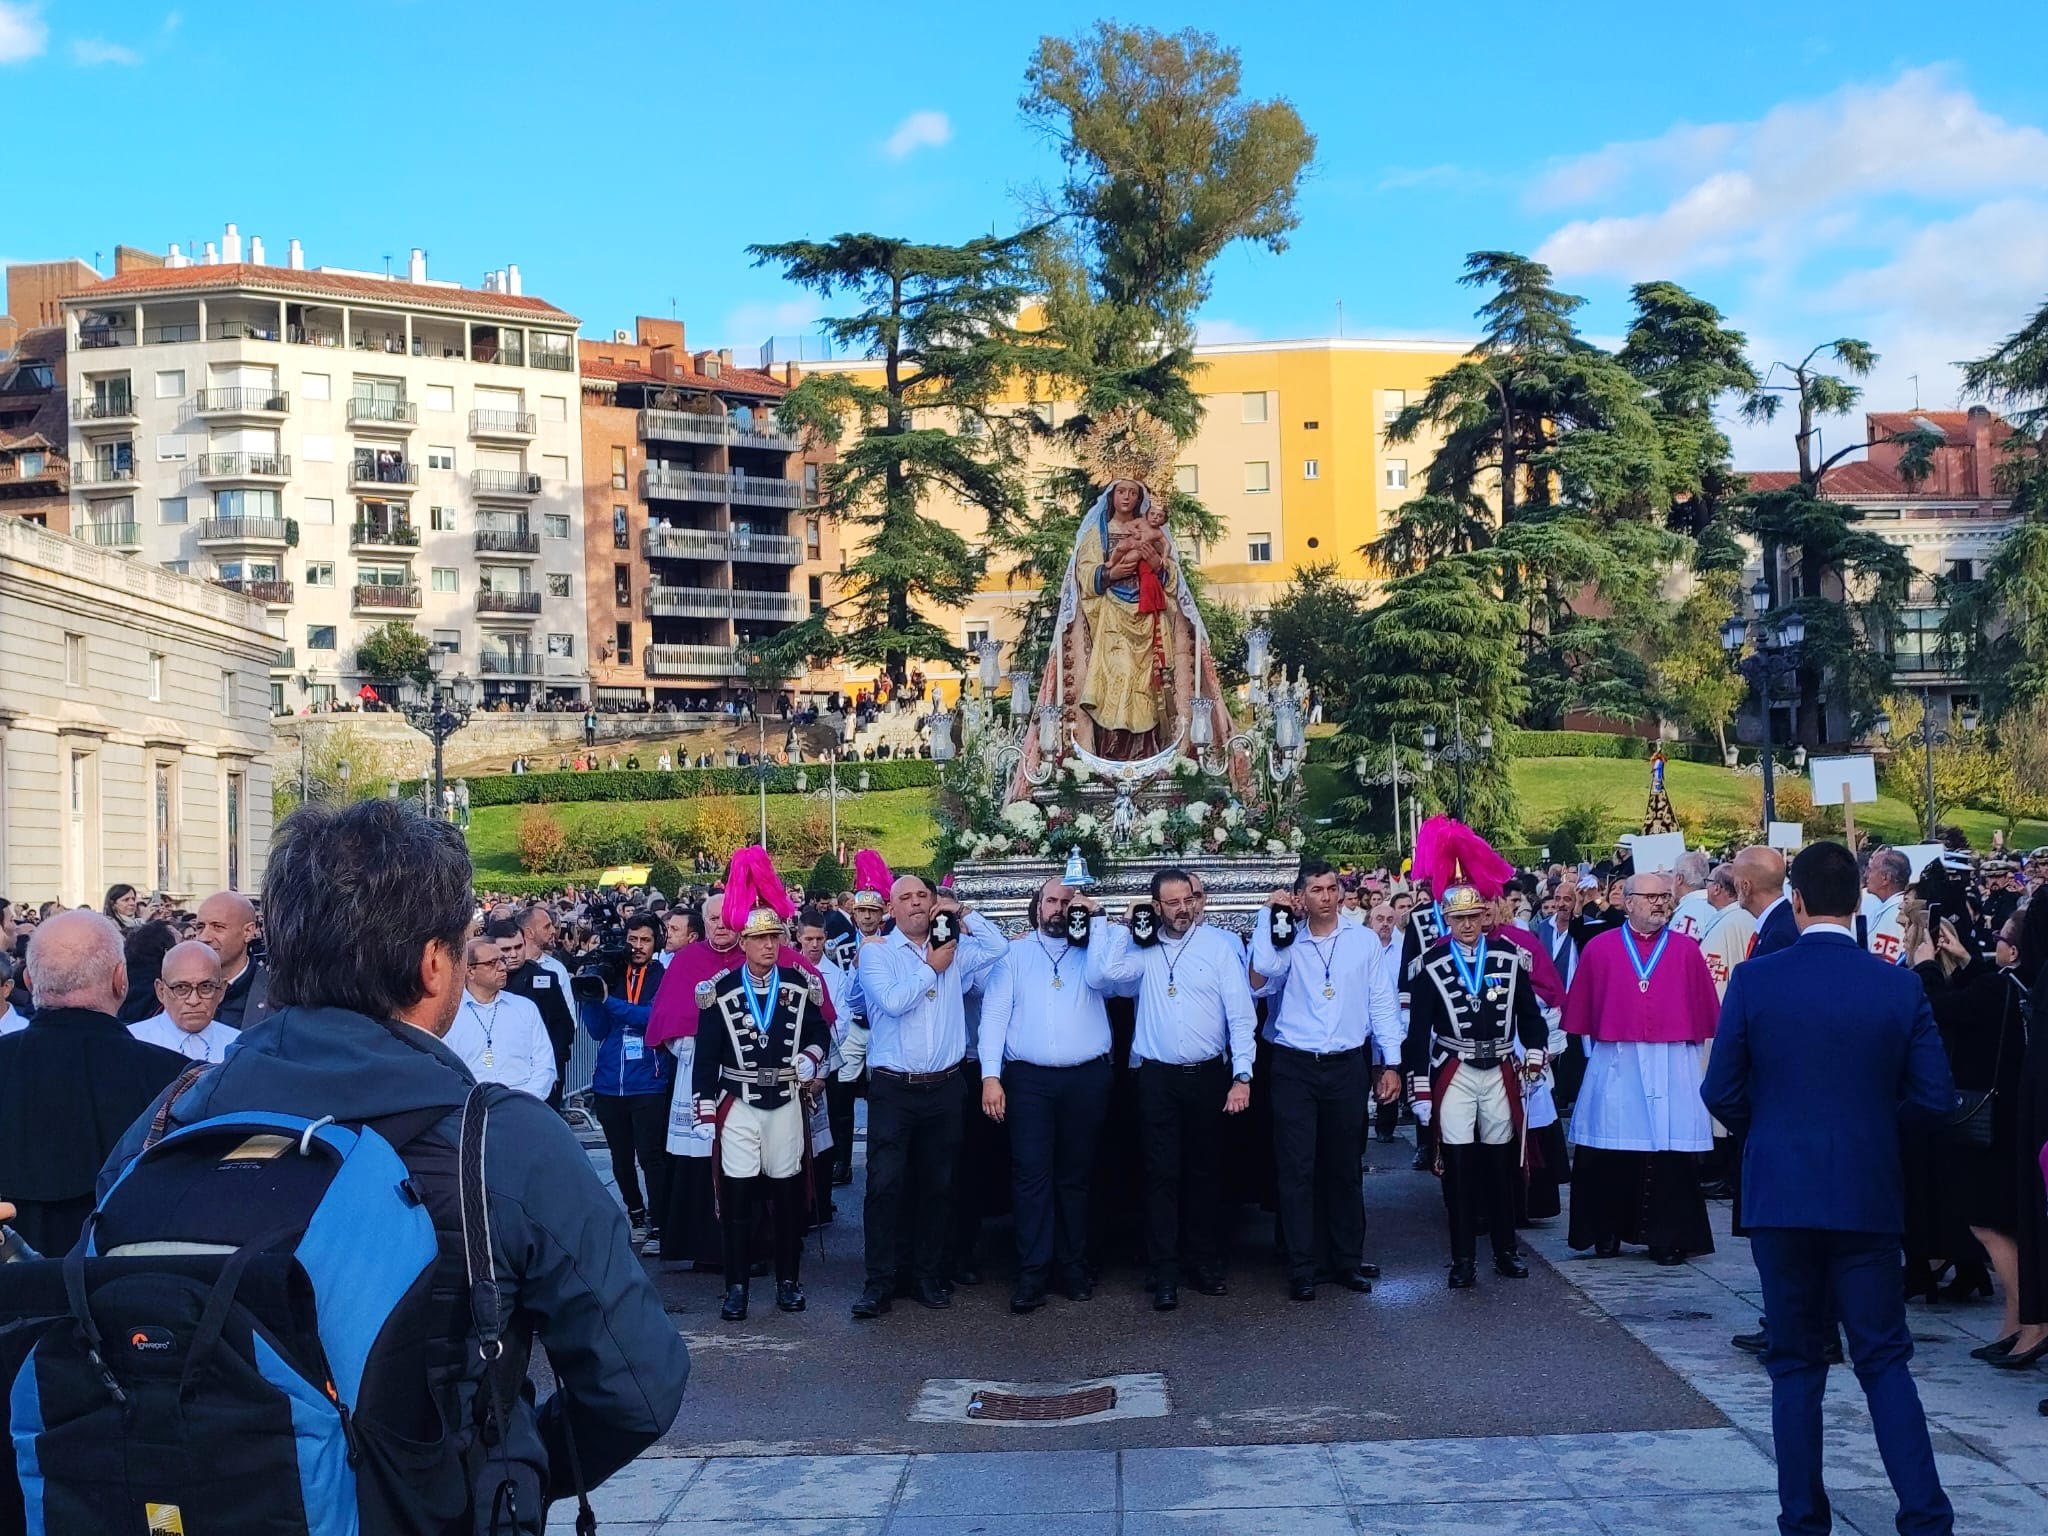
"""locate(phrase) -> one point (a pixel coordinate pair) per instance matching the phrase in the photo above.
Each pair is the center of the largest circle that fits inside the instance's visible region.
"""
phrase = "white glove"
(806, 1067)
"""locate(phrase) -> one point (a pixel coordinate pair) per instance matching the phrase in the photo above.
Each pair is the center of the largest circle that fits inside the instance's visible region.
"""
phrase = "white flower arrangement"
(1023, 816)
(1085, 825)
(1275, 846)
(1295, 838)
(1233, 816)
(1219, 837)
(1186, 768)
(1198, 811)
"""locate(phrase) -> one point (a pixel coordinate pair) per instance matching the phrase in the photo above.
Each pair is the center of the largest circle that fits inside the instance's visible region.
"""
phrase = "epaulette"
(707, 991)
(816, 987)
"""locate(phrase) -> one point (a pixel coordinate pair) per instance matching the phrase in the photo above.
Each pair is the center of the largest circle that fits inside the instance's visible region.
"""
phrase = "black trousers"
(981, 1175)
(1319, 1107)
(737, 1200)
(1479, 1190)
(913, 1139)
(1055, 1115)
(839, 1099)
(1180, 1119)
(635, 1125)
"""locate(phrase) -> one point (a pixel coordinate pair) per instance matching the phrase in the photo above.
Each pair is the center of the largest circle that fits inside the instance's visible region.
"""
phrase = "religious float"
(1126, 753)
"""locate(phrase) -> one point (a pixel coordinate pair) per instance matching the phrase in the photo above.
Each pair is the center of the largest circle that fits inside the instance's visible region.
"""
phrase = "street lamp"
(1389, 775)
(1775, 653)
(438, 712)
(831, 793)
(1927, 738)
(1458, 752)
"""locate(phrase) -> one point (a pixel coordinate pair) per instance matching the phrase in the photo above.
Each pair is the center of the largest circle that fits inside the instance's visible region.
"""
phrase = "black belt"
(1185, 1066)
(1356, 1050)
(916, 1079)
(1482, 1054)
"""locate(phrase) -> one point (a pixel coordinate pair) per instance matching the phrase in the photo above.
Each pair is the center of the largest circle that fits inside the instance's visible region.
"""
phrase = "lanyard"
(760, 1004)
(636, 983)
(1644, 968)
(1056, 960)
(1174, 956)
(490, 1025)
(1328, 989)
(1473, 974)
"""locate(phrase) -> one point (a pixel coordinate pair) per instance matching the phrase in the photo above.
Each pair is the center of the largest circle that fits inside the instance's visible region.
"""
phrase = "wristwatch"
(1242, 1077)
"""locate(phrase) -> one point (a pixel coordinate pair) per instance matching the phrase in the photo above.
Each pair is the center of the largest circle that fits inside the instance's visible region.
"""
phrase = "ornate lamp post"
(438, 712)
(1364, 771)
(1458, 752)
(832, 793)
(1774, 653)
(1926, 737)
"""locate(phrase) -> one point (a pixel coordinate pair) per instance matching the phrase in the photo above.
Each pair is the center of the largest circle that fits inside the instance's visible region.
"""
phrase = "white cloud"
(920, 130)
(23, 34)
(172, 21)
(92, 52)
(1213, 333)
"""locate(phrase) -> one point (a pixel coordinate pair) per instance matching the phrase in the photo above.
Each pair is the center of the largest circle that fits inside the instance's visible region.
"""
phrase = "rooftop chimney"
(212, 256)
(296, 257)
(256, 250)
(490, 283)
(177, 258)
(231, 245)
(416, 269)
(512, 278)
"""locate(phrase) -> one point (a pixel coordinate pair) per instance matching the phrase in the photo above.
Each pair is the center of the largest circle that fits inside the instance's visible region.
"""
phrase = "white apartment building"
(347, 447)
(134, 726)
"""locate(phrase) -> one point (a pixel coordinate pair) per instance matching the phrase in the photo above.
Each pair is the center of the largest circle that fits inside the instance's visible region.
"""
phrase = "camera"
(589, 984)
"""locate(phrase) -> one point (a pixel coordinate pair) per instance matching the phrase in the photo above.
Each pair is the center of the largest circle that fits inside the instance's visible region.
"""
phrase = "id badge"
(636, 1047)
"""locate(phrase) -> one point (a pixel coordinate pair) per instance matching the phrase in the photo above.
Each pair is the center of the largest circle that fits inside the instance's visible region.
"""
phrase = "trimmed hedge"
(682, 783)
(1610, 744)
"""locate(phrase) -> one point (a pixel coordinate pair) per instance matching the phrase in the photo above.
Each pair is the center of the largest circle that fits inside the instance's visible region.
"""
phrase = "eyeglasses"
(186, 991)
(486, 964)
(1654, 898)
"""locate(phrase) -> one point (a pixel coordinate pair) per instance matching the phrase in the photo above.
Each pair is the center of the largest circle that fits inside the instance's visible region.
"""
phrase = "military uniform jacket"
(736, 1056)
(1446, 1020)
(1424, 928)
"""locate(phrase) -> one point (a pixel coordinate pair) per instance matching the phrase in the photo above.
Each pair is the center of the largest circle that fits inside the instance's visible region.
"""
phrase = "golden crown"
(1129, 444)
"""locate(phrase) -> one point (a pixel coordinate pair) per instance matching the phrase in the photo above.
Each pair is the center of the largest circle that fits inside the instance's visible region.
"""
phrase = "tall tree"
(1428, 529)
(1314, 627)
(392, 653)
(939, 322)
(1688, 359)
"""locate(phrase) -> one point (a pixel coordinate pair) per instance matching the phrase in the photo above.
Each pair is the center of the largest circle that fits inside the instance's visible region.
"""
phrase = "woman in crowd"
(123, 905)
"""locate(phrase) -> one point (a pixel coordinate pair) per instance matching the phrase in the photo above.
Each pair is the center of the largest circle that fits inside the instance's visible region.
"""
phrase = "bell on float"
(1076, 875)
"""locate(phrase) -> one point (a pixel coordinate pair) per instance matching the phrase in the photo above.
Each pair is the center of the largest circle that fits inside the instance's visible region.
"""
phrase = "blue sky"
(1867, 169)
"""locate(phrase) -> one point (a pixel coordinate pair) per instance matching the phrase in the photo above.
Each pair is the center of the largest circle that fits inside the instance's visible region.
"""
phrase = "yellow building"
(1289, 457)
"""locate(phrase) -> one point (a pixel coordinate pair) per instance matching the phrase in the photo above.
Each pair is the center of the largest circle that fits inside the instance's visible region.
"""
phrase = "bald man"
(1760, 885)
(189, 990)
(227, 926)
(72, 1082)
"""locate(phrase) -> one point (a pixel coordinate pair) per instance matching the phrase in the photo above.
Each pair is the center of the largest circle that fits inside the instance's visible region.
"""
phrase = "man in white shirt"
(915, 983)
(843, 991)
(1045, 1072)
(1335, 994)
(189, 988)
(1884, 888)
(1694, 910)
(498, 1034)
(1193, 1050)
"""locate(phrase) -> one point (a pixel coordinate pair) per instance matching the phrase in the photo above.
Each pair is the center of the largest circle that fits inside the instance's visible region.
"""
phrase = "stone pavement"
(1991, 1444)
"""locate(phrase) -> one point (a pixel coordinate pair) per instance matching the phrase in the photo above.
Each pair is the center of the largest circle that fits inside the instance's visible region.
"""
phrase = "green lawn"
(898, 822)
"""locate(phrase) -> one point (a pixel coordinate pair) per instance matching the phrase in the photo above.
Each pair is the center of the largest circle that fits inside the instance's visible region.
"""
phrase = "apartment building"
(1290, 457)
(696, 536)
(35, 472)
(348, 448)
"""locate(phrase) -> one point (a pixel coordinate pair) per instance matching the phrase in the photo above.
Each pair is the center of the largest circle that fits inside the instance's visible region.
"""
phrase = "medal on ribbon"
(1644, 968)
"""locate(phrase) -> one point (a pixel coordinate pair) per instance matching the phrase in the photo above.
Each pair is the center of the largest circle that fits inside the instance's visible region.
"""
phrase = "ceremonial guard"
(762, 1039)
(1471, 1004)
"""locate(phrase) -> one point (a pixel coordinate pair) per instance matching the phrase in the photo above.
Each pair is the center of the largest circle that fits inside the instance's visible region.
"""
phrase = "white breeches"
(767, 1143)
(1474, 1107)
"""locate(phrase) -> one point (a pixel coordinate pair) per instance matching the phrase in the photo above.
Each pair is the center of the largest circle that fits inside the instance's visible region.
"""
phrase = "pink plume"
(752, 882)
(871, 873)
(1444, 846)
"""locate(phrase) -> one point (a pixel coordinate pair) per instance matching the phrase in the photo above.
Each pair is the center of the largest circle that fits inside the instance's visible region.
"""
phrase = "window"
(319, 637)
(227, 694)
(814, 539)
(973, 632)
(558, 584)
(439, 457)
(554, 466)
(156, 677)
(622, 635)
(316, 386)
(440, 397)
(618, 469)
(1397, 474)
(1255, 406)
(1187, 479)
(163, 819)
(1962, 570)
(441, 519)
(1311, 426)
(554, 408)
(74, 661)
(449, 640)
(1917, 644)
(1311, 469)
(236, 787)
(170, 448)
(817, 591)
(383, 576)
(319, 573)
(555, 524)
(247, 504)
(620, 540)
(446, 579)
(1259, 549)
(622, 586)
(317, 511)
(29, 465)
(561, 645)
(316, 448)
(171, 510)
(1258, 476)
(177, 567)
(811, 480)
(1392, 403)
(170, 384)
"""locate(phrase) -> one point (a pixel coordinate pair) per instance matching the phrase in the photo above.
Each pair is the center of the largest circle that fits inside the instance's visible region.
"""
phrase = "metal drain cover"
(1039, 1408)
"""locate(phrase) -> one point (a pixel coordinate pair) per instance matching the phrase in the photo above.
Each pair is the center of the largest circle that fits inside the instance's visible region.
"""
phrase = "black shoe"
(1301, 1290)
(734, 1309)
(1997, 1350)
(1211, 1284)
(1510, 1266)
(1719, 1189)
(1080, 1289)
(966, 1274)
(1023, 1300)
(842, 1177)
(2012, 1361)
(872, 1302)
(1165, 1299)
(1387, 1135)
(1464, 1274)
(929, 1293)
(1425, 1161)
(1354, 1279)
(1667, 1258)
(789, 1296)
(1607, 1248)
(1752, 1343)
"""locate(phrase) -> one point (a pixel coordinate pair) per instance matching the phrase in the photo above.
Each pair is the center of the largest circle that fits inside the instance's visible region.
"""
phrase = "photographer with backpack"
(309, 1296)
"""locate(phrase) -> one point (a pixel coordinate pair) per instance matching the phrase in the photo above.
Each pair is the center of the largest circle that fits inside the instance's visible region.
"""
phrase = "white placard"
(1920, 855)
(1830, 774)
(1787, 836)
(1657, 851)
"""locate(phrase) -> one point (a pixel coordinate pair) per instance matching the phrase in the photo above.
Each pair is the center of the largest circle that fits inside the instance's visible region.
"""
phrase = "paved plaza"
(1597, 1398)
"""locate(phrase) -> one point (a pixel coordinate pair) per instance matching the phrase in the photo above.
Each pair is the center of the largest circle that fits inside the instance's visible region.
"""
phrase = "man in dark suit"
(1821, 1049)
(1760, 884)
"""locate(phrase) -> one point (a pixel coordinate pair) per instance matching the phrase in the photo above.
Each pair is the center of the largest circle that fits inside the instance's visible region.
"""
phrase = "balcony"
(241, 404)
(245, 466)
(49, 472)
(691, 661)
(400, 415)
(507, 664)
(697, 485)
(92, 338)
(512, 484)
(247, 531)
(508, 604)
(722, 603)
(106, 474)
(376, 597)
(660, 543)
(382, 473)
(715, 427)
(507, 541)
(102, 412)
(278, 594)
(286, 658)
(126, 537)
(383, 536)
(515, 425)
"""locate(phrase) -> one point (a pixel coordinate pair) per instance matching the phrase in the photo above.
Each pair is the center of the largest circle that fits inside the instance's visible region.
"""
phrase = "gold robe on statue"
(1118, 690)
